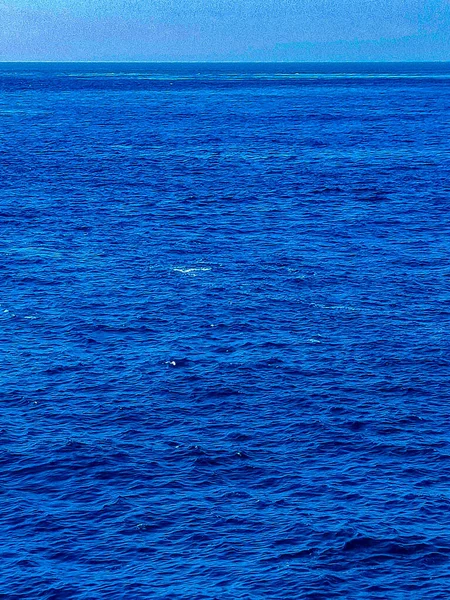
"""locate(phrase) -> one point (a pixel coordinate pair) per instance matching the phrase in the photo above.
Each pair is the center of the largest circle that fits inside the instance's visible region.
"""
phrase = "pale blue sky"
(225, 30)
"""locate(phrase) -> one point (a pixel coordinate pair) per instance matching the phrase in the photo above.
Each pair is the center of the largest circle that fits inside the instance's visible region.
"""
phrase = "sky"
(224, 30)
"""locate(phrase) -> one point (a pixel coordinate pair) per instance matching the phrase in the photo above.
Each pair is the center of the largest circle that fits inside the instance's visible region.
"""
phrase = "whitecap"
(191, 269)
(333, 306)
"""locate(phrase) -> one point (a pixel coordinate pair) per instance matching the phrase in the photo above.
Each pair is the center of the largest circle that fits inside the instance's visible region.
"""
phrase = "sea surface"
(224, 331)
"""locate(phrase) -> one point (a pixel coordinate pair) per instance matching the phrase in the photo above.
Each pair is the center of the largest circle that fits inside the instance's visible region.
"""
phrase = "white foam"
(333, 306)
(191, 269)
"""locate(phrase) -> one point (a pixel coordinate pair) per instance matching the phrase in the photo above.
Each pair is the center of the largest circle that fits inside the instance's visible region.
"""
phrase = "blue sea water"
(224, 311)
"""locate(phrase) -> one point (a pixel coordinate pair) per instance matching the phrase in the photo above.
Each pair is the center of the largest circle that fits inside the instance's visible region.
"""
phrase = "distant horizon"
(230, 62)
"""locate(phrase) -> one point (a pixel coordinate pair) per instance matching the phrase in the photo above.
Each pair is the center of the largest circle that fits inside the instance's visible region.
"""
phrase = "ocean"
(225, 310)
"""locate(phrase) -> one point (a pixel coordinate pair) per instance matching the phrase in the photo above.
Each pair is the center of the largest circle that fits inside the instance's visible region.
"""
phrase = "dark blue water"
(225, 310)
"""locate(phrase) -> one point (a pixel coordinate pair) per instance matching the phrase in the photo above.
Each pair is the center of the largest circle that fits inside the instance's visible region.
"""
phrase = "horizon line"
(244, 62)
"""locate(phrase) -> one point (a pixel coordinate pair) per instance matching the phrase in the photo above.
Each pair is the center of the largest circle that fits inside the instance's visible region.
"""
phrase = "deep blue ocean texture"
(225, 313)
